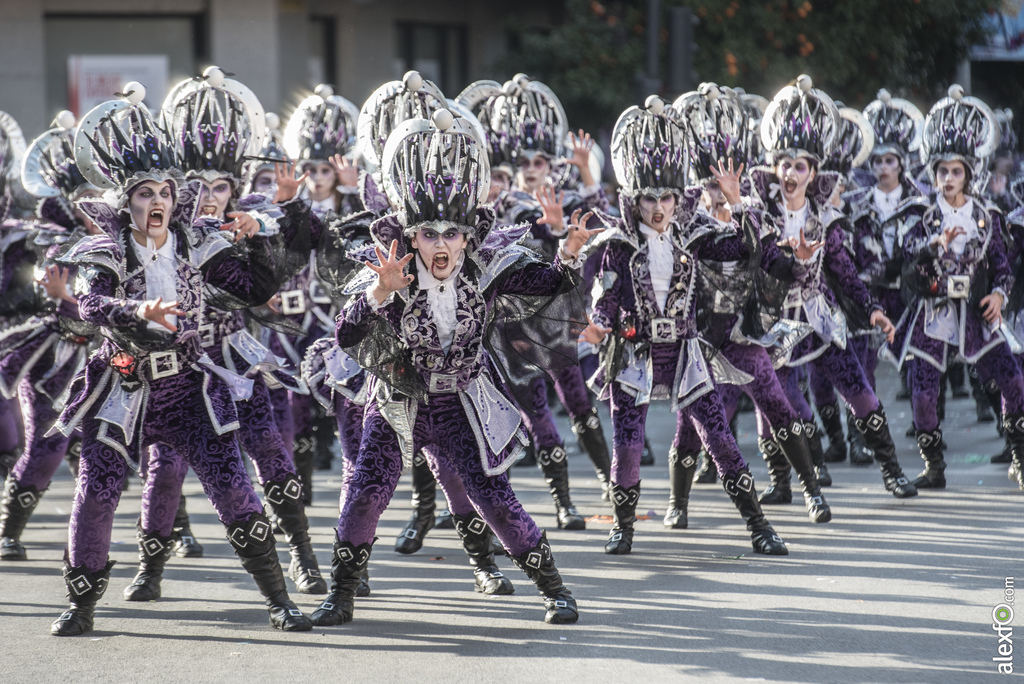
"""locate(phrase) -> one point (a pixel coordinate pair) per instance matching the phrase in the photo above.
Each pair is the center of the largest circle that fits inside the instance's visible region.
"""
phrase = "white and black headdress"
(959, 128)
(526, 118)
(897, 125)
(389, 106)
(801, 121)
(717, 124)
(49, 168)
(853, 144)
(649, 149)
(323, 125)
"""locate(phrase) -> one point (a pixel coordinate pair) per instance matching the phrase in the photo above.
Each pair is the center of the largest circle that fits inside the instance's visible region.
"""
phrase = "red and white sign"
(93, 79)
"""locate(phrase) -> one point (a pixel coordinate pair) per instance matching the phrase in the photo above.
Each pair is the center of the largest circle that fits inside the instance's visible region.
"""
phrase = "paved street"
(890, 591)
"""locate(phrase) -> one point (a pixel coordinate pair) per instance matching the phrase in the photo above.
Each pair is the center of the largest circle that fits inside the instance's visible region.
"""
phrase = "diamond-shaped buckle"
(206, 337)
(326, 605)
(561, 604)
(663, 330)
(440, 383)
(410, 533)
(293, 302)
(294, 612)
(163, 364)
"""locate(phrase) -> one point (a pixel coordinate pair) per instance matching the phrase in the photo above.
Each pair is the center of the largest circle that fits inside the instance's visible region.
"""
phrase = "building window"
(322, 55)
(438, 51)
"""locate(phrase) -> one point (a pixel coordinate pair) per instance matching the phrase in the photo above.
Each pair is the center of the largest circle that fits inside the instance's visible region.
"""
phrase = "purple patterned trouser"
(842, 370)
(166, 470)
(349, 416)
(9, 436)
(702, 422)
(442, 432)
(176, 417)
(997, 364)
(572, 392)
(43, 454)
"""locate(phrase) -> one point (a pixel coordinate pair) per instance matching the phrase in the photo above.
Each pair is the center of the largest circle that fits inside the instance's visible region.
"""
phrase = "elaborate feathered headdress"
(49, 168)
(897, 125)
(413, 97)
(526, 118)
(271, 151)
(717, 127)
(118, 145)
(12, 149)
(214, 121)
(800, 121)
(649, 149)
(436, 171)
(959, 128)
(323, 125)
(479, 98)
(853, 144)
(1007, 134)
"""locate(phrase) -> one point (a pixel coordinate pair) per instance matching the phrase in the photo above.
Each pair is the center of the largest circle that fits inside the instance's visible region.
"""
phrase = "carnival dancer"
(432, 357)
(957, 278)
(213, 122)
(798, 131)
(39, 357)
(646, 319)
(143, 386)
(739, 320)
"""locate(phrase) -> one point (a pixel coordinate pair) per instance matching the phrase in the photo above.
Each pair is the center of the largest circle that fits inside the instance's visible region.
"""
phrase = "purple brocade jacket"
(943, 316)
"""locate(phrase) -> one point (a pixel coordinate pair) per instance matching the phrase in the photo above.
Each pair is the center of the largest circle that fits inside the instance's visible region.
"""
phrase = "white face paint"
(264, 183)
(657, 210)
(886, 168)
(439, 251)
(322, 180)
(533, 172)
(150, 207)
(794, 176)
(951, 178)
(213, 200)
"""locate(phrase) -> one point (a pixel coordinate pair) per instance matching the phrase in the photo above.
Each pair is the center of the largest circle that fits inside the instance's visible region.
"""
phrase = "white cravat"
(886, 202)
(961, 216)
(661, 258)
(322, 207)
(794, 221)
(442, 299)
(161, 273)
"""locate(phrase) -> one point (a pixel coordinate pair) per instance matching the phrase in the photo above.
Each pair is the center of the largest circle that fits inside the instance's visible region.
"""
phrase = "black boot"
(85, 589)
(983, 402)
(832, 419)
(903, 394)
(995, 401)
(859, 452)
(476, 539)
(185, 544)
(957, 386)
(17, 506)
(529, 457)
(793, 445)
(303, 455)
(555, 467)
(363, 590)
(779, 491)
(1005, 456)
(325, 429)
(875, 428)
(424, 495)
(620, 541)
(7, 461)
(154, 551)
(647, 455)
(591, 439)
(707, 474)
(443, 520)
(348, 563)
(930, 444)
(813, 435)
(73, 455)
(740, 489)
(285, 501)
(253, 542)
(680, 481)
(1014, 425)
(539, 566)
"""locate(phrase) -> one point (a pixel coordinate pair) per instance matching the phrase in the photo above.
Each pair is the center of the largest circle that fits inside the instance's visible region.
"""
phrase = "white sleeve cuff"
(372, 301)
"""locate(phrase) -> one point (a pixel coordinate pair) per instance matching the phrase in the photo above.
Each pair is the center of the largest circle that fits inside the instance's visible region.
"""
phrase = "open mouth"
(440, 262)
(657, 218)
(208, 210)
(155, 219)
(790, 186)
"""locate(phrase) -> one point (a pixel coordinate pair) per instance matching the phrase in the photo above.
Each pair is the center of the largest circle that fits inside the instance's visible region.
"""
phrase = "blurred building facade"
(280, 48)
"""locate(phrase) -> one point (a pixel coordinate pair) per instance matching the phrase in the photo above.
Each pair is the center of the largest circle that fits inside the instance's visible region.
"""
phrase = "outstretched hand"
(804, 250)
(949, 234)
(582, 144)
(593, 333)
(157, 310)
(391, 276)
(346, 170)
(243, 225)
(728, 180)
(55, 281)
(551, 206)
(579, 234)
(287, 184)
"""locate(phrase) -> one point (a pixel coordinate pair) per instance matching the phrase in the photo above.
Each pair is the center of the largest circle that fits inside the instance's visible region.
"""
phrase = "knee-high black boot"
(303, 455)
(620, 540)
(794, 449)
(285, 501)
(254, 545)
(16, 508)
(740, 489)
(779, 490)
(529, 457)
(832, 419)
(813, 435)
(348, 562)
(859, 452)
(1014, 425)
(154, 552)
(680, 481)
(933, 476)
(7, 461)
(903, 394)
(325, 428)
(707, 473)
(73, 455)
(591, 439)
(85, 589)
(185, 544)
(875, 428)
(539, 565)
(956, 375)
(555, 467)
(424, 503)
(476, 539)
(994, 399)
